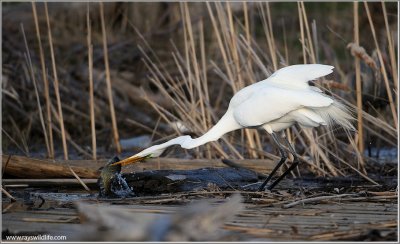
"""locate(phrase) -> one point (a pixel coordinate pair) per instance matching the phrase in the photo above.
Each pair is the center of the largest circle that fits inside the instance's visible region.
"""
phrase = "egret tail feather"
(337, 113)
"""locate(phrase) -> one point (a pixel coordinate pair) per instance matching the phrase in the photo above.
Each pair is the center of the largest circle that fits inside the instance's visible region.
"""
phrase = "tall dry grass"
(56, 86)
(327, 152)
(212, 51)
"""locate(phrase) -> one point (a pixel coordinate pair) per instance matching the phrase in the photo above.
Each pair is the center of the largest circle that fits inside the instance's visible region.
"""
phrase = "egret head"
(131, 160)
(153, 151)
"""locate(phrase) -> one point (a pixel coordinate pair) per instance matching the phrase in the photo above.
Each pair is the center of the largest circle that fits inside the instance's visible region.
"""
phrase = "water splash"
(120, 187)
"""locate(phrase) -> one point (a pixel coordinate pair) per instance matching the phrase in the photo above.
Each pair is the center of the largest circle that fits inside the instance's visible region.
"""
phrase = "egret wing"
(300, 73)
(270, 103)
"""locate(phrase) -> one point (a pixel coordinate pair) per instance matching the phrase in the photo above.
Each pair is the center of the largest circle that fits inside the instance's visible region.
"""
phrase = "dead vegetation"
(165, 69)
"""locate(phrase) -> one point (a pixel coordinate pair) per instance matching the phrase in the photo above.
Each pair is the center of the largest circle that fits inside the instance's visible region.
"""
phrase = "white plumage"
(274, 104)
(277, 103)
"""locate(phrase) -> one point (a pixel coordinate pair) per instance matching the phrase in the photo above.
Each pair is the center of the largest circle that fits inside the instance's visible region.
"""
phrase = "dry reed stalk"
(189, 80)
(250, 77)
(373, 120)
(362, 174)
(267, 32)
(315, 38)
(285, 42)
(320, 153)
(226, 37)
(318, 199)
(195, 64)
(15, 142)
(254, 56)
(20, 133)
(271, 38)
(91, 89)
(163, 114)
(180, 106)
(7, 194)
(231, 49)
(271, 35)
(299, 7)
(204, 79)
(309, 38)
(32, 74)
(392, 52)
(383, 69)
(235, 54)
(220, 44)
(108, 81)
(79, 179)
(204, 65)
(272, 48)
(360, 134)
(68, 137)
(248, 36)
(314, 150)
(179, 98)
(390, 141)
(145, 127)
(252, 136)
(46, 84)
(56, 85)
(161, 70)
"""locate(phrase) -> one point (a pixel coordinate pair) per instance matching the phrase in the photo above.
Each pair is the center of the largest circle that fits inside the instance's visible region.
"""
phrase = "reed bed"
(118, 75)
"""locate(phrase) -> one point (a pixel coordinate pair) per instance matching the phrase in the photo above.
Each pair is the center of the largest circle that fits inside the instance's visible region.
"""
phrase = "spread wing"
(300, 73)
(268, 103)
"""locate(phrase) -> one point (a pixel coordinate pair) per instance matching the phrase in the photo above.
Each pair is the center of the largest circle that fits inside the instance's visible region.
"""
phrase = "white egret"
(274, 104)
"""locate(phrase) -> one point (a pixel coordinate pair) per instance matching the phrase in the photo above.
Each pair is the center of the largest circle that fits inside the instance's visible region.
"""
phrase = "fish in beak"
(131, 160)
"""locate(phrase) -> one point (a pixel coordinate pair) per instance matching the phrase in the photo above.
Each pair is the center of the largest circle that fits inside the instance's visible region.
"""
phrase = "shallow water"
(383, 155)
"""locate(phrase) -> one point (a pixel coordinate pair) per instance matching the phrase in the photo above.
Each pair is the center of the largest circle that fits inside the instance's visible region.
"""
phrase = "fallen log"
(25, 167)
(33, 168)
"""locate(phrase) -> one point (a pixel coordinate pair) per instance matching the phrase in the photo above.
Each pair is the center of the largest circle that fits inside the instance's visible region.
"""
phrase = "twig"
(240, 82)
(360, 133)
(7, 194)
(56, 86)
(91, 90)
(392, 52)
(29, 62)
(309, 39)
(45, 81)
(69, 139)
(69, 220)
(317, 199)
(143, 126)
(108, 81)
(15, 142)
(9, 206)
(79, 179)
(302, 33)
(383, 69)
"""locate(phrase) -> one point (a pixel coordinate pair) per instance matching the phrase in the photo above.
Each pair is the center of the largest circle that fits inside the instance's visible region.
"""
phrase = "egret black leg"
(294, 164)
(281, 161)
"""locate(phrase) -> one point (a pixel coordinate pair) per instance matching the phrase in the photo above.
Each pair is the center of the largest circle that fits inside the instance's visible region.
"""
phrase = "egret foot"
(283, 159)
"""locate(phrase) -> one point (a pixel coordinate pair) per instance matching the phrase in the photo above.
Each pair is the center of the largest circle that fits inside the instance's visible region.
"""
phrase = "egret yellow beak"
(131, 160)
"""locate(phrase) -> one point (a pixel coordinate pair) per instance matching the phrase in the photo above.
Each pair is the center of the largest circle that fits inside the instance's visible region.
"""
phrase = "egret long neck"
(226, 124)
